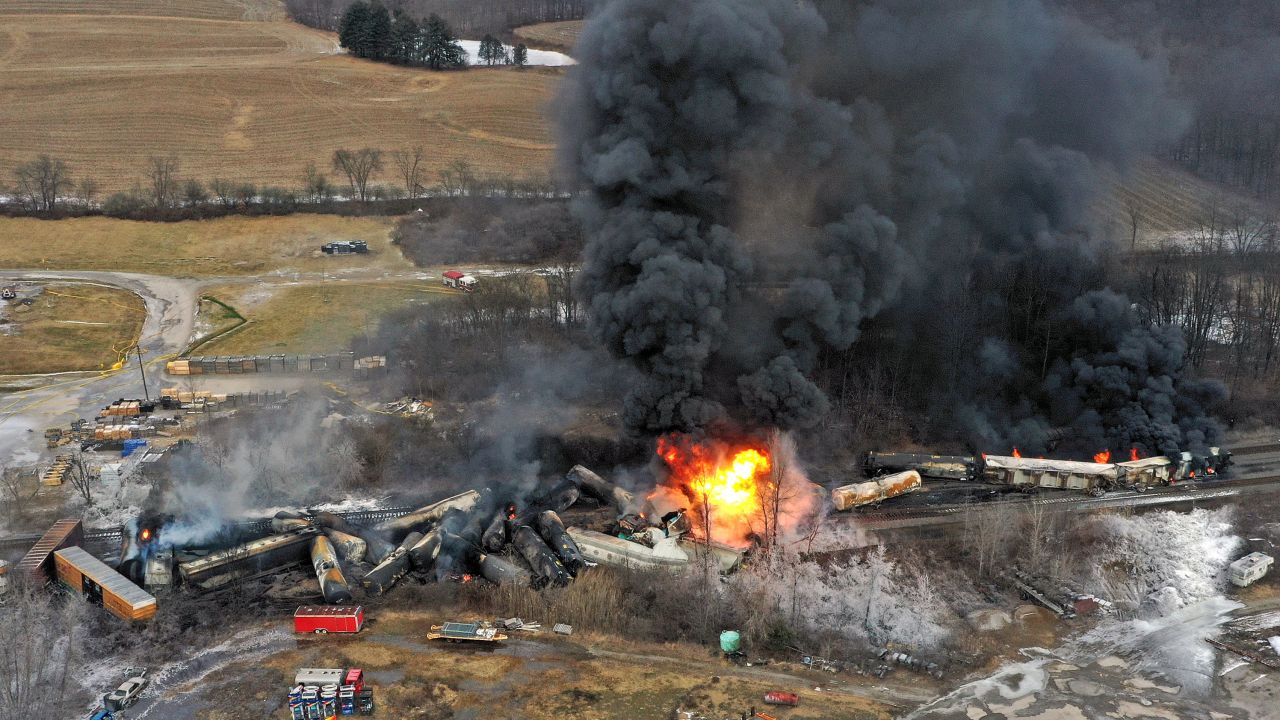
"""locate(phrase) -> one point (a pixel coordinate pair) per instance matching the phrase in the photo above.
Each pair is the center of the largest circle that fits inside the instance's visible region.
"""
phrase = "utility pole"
(142, 370)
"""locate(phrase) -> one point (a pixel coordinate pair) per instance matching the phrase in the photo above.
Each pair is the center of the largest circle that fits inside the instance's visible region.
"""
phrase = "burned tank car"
(945, 467)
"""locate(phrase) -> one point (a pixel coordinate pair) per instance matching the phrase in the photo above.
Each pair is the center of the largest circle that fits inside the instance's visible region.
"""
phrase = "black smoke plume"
(767, 179)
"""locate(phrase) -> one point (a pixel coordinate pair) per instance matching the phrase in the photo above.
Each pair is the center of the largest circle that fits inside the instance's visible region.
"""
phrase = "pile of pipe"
(468, 536)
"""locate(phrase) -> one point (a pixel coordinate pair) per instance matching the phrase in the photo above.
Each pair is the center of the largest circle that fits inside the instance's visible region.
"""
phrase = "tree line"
(472, 17)
(368, 30)
(46, 187)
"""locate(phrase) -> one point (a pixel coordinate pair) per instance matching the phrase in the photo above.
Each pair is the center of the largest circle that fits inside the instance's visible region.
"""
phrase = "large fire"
(1102, 457)
(725, 482)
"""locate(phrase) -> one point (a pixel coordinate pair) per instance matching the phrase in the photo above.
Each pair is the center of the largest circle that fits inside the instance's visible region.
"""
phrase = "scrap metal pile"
(475, 534)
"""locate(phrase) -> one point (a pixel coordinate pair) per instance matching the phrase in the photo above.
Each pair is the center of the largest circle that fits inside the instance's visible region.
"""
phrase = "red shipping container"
(328, 618)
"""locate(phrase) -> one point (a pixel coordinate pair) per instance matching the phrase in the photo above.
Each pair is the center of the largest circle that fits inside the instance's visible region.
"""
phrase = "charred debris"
(576, 522)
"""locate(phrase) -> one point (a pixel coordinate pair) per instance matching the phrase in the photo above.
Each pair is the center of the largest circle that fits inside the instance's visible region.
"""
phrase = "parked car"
(127, 694)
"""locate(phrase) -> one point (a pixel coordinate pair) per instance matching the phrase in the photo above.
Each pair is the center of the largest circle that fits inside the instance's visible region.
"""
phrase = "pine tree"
(441, 50)
(404, 38)
(492, 51)
(379, 31)
(520, 55)
(352, 29)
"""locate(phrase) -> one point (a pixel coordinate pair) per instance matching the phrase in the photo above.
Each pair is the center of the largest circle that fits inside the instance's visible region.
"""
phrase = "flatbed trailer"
(465, 632)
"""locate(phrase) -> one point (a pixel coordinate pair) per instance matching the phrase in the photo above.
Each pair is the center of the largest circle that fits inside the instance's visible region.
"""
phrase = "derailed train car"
(1033, 473)
(942, 467)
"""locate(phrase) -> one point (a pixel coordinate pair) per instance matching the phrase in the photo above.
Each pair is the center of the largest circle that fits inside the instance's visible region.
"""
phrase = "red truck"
(323, 619)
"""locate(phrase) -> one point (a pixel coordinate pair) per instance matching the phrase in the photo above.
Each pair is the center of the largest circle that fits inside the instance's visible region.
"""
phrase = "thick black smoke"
(767, 177)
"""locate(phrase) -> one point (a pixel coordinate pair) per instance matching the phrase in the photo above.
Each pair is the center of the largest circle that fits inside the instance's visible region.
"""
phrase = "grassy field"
(225, 246)
(69, 327)
(311, 318)
(103, 84)
(553, 36)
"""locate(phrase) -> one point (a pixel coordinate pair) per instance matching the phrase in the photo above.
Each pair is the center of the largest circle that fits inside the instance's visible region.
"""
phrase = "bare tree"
(409, 163)
(13, 488)
(162, 174)
(317, 185)
(225, 191)
(87, 190)
(987, 533)
(40, 653)
(1247, 233)
(358, 166)
(458, 178)
(79, 477)
(41, 181)
(1133, 209)
(193, 192)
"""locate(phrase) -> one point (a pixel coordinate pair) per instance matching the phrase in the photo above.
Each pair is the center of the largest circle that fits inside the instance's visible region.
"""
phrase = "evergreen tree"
(492, 51)
(379, 32)
(353, 29)
(404, 39)
(440, 48)
(520, 55)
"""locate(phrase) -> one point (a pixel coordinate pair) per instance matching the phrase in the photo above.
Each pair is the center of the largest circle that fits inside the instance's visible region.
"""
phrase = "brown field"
(553, 36)
(70, 327)
(1171, 202)
(224, 246)
(311, 318)
(242, 99)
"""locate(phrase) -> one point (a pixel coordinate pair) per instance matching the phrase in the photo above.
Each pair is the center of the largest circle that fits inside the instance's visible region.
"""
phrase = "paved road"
(57, 399)
(171, 304)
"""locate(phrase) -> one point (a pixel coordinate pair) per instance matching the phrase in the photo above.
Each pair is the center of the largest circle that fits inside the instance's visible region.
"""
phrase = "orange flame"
(723, 481)
(1016, 453)
(467, 578)
(146, 534)
(1133, 454)
(1102, 457)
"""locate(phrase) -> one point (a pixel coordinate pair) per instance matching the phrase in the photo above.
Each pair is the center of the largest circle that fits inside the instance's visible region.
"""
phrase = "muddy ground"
(530, 676)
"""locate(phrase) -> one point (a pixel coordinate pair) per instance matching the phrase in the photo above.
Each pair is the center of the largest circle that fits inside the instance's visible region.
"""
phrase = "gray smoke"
(769, 178)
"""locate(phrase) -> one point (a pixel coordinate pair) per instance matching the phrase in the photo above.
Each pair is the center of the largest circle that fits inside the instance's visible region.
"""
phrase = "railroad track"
(1065, 502)
(113, 537)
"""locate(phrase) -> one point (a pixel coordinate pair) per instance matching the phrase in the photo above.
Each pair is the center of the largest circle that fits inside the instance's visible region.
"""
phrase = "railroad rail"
(114, 536)
(1256, 449)
(873, 519)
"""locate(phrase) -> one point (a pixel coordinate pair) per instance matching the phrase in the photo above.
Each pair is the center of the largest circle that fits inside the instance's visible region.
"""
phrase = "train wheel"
(321, 631)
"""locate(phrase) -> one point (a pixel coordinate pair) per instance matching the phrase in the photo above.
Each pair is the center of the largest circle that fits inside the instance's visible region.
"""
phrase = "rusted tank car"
(874, 491)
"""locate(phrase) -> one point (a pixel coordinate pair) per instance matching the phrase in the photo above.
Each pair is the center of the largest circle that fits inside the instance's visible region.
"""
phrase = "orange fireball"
(1102, 457)
(724, 482)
